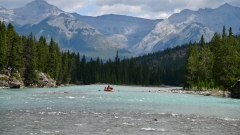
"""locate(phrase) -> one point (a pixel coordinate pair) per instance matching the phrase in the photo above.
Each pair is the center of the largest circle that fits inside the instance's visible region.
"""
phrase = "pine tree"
(3, 45)
(146, 74)
(224, 34)
(42, 54)
(66, 67)
(83, 70)
(191, 66)
(78, 62)
(30, 60)
(98, 69)
(131, 71)
(14, 49)
(205, 64)
(230, 32)
(73, 67)
(117, 69)
(60, 74)
(53, 60)
(226, 65)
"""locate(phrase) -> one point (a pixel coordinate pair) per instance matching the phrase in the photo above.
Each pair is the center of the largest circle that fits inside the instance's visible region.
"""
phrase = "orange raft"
(108, 89)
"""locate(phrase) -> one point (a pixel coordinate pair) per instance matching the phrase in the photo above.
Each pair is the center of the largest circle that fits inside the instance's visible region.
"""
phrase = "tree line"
(215, 64)
(26, 55)
(202, 65)
(171, 63)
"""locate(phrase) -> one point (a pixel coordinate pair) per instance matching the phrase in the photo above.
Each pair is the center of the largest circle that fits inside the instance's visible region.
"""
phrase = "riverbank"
(217, 93)
(14, 80)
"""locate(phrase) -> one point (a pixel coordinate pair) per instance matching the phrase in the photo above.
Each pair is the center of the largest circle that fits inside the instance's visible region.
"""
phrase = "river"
(129, 110)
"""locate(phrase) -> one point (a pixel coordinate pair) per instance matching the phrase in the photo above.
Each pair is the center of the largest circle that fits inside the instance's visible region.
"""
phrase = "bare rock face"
(14, 80)
(235, 90)
(9, 81)
(3, 81)
(44, 81)
(15, 83)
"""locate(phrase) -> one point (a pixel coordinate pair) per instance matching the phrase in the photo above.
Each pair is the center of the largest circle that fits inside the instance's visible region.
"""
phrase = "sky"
(149, 9)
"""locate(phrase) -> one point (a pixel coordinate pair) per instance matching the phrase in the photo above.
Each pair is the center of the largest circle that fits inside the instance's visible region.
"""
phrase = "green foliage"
(3, 45)
(14, 49)
(30, 60)
(27, 55)
(15, 75)
(218, 63)
(42, 54)
(203, 66)
(166, 66)
(4, 78)
(192, 65)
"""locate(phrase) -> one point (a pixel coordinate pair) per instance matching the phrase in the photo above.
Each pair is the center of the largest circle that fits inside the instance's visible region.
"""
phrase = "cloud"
(156, 9)
(71, 5)
(116, 9)
(151, 9)
(65, 5)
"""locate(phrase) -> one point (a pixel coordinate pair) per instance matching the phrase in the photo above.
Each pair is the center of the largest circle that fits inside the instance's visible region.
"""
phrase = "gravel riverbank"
(217, 93)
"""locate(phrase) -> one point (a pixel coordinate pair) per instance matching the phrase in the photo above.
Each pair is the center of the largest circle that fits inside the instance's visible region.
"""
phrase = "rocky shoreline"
(14, 80)
(217, 93)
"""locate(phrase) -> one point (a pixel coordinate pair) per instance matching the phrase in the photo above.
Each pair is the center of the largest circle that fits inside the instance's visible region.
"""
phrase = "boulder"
(235, 90)
(14, 83)
(44, 81)
(3, 83)
(8, 81)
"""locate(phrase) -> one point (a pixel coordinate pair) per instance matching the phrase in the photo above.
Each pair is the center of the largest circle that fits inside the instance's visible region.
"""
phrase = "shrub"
(17, 76)
(5, 78)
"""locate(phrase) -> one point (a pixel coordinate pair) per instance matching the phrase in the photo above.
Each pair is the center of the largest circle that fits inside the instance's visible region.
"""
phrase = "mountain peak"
(225, 6)
(35, 11)
(40, 4)
(41, 1)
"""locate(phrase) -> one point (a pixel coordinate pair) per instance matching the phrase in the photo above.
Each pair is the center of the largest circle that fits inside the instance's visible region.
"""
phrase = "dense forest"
(27, 55)
(171, 61)
(214, 65)
(197, 65)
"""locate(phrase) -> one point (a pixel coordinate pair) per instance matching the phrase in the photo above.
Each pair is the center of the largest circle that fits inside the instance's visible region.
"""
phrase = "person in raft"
(109, 87)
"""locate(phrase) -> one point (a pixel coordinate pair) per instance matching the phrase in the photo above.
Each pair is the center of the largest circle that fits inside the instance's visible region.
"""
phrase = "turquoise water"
(128, 110)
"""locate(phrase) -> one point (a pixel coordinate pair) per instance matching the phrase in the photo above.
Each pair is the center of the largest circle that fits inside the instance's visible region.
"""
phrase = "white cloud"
(154, 16)
(71, 5)
(116, 9)
(156, 9)
(152, 9)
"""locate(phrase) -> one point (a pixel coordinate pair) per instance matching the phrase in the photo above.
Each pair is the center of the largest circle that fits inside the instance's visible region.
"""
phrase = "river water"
(129, 110)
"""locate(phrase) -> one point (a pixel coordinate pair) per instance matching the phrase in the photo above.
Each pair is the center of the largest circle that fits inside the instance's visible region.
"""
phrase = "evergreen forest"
(203, 65)
(27, 55)
(214, 65)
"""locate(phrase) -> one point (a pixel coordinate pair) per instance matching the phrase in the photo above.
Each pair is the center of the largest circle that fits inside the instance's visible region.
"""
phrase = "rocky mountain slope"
(188, 26)
(124, 30)
(104, 35)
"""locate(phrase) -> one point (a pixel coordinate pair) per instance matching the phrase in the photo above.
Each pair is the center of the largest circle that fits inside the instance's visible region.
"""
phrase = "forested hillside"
(216, 65)
(27, 55)
(171, 62)
(170, 57)
(208, 65)
(201, 65)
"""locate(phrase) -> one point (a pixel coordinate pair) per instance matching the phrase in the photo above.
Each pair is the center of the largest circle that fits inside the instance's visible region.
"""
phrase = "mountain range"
(104, 35)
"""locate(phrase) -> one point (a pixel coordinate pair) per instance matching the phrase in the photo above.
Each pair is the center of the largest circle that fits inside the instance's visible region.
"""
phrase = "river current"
(129, 110)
